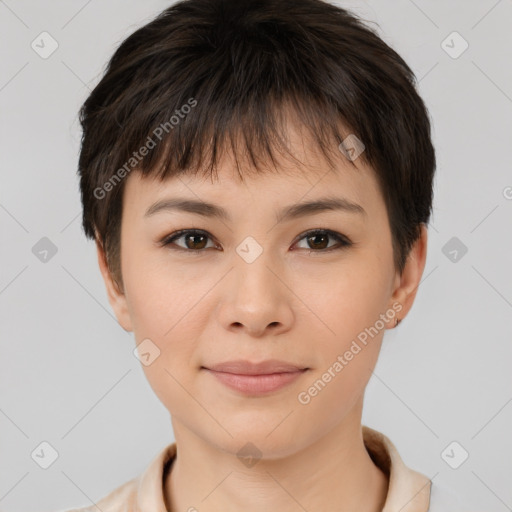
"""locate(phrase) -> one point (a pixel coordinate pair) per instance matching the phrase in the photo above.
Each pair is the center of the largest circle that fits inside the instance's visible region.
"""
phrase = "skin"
(212, 306)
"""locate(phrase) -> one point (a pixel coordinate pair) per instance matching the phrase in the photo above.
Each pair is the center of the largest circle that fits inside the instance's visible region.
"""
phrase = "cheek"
(161, 298)
(348, 356)
(351, 327)
(164, 310)
(353, 301)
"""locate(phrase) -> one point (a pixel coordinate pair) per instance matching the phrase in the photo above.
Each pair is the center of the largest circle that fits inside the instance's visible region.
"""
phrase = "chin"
(256, 442)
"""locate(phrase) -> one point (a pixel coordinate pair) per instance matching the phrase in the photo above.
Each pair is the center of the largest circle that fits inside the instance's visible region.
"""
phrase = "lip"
(256, 378)
(243, 367)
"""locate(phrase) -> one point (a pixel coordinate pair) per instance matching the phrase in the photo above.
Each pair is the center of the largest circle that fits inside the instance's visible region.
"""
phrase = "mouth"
(251, 383)
(245, 367)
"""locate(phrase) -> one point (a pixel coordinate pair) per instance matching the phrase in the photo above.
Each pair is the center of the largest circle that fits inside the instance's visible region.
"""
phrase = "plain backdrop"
(68, 376)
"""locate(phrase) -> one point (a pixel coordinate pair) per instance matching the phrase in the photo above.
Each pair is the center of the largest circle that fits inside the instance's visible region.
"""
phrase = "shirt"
(408, 490)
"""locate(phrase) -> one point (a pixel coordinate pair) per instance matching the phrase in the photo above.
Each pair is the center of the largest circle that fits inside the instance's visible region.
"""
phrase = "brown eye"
(318, 240)
(193, 240)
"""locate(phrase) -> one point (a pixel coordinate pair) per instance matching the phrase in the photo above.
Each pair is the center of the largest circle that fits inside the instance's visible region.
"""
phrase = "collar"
(408, 490)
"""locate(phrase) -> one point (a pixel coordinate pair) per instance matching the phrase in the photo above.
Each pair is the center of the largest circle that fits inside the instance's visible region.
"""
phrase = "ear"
(116, 297)
(406, 285)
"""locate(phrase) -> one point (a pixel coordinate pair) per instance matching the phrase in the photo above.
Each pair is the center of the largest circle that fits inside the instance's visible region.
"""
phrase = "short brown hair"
(213, 72)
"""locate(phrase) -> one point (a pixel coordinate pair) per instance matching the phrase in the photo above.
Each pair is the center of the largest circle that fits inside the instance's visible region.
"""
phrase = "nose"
(255, 299)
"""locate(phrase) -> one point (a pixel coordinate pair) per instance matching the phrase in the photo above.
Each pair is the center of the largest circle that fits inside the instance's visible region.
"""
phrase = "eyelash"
(343, 241)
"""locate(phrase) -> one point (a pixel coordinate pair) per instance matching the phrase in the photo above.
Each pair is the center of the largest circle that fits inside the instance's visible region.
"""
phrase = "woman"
(258, 179)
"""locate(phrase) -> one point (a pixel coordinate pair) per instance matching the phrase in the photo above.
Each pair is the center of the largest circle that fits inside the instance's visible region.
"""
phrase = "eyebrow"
(290, 212)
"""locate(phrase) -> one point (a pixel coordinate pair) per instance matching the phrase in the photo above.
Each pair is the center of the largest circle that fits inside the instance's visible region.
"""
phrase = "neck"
(334, 472)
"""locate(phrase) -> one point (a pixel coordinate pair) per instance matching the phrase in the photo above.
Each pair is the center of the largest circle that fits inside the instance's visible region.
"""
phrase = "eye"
(195, 240)
(318, 240)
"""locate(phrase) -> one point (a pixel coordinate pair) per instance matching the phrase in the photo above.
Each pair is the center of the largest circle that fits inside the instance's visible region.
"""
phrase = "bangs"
(255, 134)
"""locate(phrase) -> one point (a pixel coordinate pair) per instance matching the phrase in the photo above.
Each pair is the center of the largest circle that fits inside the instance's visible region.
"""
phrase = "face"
(316, 289)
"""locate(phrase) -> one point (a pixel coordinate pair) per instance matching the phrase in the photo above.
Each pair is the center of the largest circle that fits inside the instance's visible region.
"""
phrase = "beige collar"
(408, 490)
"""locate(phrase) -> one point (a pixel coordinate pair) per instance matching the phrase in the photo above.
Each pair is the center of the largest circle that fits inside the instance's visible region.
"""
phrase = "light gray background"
(67, 372)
